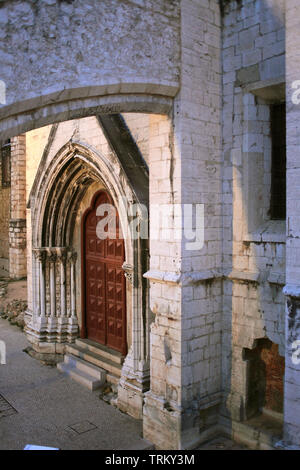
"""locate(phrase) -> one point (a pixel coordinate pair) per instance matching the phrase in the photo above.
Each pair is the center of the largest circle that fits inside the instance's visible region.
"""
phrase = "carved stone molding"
(128, 271)
(72, 256)
(40, 254)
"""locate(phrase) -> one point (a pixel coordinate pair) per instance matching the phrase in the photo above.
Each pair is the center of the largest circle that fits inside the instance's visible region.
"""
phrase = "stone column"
(39, 319)
(36, 279)
(72, 319)
(62, 263)
(17, 224)
(73, 258)
(52, 284)
(292, 288)
(52, 320)
(42, 279)
(62, 319)
(135, 376)
(181, 408)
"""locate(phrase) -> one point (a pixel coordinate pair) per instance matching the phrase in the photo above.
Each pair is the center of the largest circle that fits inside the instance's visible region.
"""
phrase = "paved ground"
(222, 443)
(38, 405)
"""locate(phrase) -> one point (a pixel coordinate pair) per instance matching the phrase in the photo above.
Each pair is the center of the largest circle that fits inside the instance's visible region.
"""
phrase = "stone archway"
(59, 190)
(141, 57)
(123, 57)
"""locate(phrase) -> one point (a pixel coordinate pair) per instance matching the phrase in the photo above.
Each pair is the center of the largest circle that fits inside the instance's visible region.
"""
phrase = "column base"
(72, 329)
(235, 407)
(170, 427)
(36, 329)
(132, 387)
(51, 330)
(161, 425)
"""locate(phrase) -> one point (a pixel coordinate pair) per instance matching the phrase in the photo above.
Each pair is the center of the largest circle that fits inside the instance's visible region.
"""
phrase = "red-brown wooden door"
(105, 293)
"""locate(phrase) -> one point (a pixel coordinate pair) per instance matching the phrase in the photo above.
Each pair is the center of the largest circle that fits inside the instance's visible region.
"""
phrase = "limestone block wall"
(17, 223)
(138, 125)
(36, 142)
(128, 49)
(198, 136)
(185, 287)
(292, 288)
(253, 244)
(4, 226)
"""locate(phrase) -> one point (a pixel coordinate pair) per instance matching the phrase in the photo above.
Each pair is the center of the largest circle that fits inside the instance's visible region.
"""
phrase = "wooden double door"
(104, 279)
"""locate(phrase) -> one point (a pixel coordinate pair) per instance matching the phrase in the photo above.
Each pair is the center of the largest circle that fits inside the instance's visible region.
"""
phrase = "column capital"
(51, 255)
(72, 256)
(128, 271)
(40, 254)
(61, 254)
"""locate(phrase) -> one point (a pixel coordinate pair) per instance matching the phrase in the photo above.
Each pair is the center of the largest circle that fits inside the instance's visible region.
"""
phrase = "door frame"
(83, 329)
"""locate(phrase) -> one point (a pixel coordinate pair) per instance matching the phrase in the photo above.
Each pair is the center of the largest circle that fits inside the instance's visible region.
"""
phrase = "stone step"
(95, 358)
(101, 350)
(80, 376)
(90, 369)
(113, 380)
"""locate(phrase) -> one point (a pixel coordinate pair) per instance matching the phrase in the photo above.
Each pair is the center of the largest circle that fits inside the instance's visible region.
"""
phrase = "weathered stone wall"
(190, 368)
(254, 245)
(17, 223)
(114, 47)
(35, 144)
(138, 125)
(185, 292)
(4, 226)
(292, 288)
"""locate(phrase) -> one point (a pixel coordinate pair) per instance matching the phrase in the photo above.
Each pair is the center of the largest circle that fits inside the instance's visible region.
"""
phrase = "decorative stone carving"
(58, 325)
(128, 272)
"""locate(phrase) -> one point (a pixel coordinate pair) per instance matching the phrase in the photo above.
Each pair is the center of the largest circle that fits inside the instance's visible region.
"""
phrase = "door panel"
(105, 287)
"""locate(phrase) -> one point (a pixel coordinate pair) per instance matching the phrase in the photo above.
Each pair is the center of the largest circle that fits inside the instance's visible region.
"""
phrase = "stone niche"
(265, 382)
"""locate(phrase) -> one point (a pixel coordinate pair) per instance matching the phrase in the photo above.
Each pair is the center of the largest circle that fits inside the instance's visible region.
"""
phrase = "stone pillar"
(42, 278)
(292, 288)
(39, 319)
(52, 320)
(17, 224)
(181, 408)
(72, 329)
(73, 258)
(47, 331)
(52, 284)
(36, 278)
(62, 319)
(135, 376)
(62, 264)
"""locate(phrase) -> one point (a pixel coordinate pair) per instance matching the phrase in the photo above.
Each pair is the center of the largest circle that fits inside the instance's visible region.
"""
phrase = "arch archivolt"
(61, 193)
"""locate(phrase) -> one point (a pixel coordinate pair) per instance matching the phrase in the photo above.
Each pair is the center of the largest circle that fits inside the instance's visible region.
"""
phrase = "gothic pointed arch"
(60, 189)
